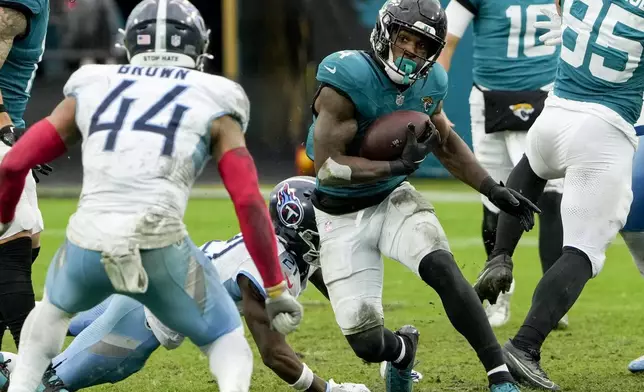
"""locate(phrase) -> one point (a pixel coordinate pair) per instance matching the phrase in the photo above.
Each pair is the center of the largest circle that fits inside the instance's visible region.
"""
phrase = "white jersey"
(231, 259)
(146, 137)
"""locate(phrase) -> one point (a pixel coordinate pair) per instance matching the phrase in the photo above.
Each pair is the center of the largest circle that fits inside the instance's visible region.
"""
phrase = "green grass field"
(606, 325)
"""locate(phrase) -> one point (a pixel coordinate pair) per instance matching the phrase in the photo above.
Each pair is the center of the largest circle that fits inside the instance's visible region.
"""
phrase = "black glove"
(415, 150)
(510, 201)
(9, 135)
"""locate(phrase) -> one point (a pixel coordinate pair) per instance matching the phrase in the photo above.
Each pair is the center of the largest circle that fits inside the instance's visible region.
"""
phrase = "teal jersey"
(19, 70)
(507, 52)
(359, 77)
(601, 54)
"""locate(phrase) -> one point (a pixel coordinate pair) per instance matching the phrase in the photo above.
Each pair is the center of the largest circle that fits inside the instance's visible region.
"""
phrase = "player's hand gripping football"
(510, 201)
(283, 309)
(416, 149)
(9, 135)
(553, 36)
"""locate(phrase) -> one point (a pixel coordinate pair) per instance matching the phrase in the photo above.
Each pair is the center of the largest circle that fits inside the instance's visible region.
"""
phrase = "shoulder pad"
(346, 70)
(84, 76)
(230, 97)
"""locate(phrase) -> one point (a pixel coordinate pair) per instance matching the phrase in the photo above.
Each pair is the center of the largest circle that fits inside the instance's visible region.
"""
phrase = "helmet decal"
(289, 207)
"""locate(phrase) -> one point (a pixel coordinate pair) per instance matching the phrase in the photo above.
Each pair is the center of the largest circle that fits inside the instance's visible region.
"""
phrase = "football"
(385, 139)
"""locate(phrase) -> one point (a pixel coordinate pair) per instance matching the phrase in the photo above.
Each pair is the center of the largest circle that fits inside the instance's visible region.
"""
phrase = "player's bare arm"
(335, 127)
(445, 58)
(63, 118)
(455, 154)
(12, 24)
(318, 281)
(272, 346)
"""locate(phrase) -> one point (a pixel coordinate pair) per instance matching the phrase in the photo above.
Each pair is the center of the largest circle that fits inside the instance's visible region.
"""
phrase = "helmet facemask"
(406, 67)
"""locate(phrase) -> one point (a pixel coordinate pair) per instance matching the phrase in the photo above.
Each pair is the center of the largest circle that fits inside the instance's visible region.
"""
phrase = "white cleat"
(499, 313)
(563, 323)
(347, 387)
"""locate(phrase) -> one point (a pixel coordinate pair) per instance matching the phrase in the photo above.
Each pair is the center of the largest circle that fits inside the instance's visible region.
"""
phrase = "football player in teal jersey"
(506, 98)
(366, 208)
(23, 27)
(586, 136)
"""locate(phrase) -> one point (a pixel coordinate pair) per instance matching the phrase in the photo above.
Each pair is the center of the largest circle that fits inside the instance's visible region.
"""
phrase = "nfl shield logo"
(175, 40)
(400, 99)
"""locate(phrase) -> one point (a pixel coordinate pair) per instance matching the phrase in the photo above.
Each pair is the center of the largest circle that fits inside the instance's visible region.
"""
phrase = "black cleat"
(495, 278)
(51, 382)
(525, 367)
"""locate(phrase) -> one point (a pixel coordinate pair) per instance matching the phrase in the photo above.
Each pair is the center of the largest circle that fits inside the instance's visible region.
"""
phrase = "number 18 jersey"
(601, 54)
(146, 137)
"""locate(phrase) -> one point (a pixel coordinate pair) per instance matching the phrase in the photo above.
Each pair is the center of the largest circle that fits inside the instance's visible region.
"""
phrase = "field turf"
(606, 325)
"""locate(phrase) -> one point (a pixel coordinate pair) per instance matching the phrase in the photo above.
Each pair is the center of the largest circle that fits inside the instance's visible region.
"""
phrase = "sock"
(16, 290)
(499, 375)
(488, 228)
(509, 230)
(555, 294)
(380, 344)
(39, 345)
(463, 307)
(231, 361)
(34, 254)
(550, 229)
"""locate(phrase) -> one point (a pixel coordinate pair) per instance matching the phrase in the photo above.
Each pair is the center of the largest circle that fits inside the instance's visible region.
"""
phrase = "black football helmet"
(166, 32)
(294, 220)
(422, 17)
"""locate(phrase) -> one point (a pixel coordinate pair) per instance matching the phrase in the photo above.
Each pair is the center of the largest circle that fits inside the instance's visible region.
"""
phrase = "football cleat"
(499, 313)
(51, 382)
(416, 376)
(4, 374)
(637, 365)
(525, 367)
(496, 277)
(400, 380)
(505, 387)
(563, 323)
(347, 387)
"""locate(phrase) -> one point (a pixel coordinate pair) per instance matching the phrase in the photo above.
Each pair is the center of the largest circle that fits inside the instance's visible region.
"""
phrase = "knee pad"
(438, 268)
(490, 222)
(368, 345)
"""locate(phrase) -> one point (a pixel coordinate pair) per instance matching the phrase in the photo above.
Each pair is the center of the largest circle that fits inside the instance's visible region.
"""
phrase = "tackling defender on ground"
(366, 208)
(115, 339)
(506, 98)
(140, 160)
(585, 135)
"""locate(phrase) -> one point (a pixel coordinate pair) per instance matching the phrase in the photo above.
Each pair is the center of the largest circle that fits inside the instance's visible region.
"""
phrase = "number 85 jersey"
(146, 137)
(601, 56)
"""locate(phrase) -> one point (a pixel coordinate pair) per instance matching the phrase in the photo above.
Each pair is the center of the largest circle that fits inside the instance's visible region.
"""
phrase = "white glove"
(347, 387)
(552, 37)
(284, 312)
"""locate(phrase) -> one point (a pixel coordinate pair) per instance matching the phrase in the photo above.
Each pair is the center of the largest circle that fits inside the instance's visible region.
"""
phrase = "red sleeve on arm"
(39, 145)
(237, 170)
